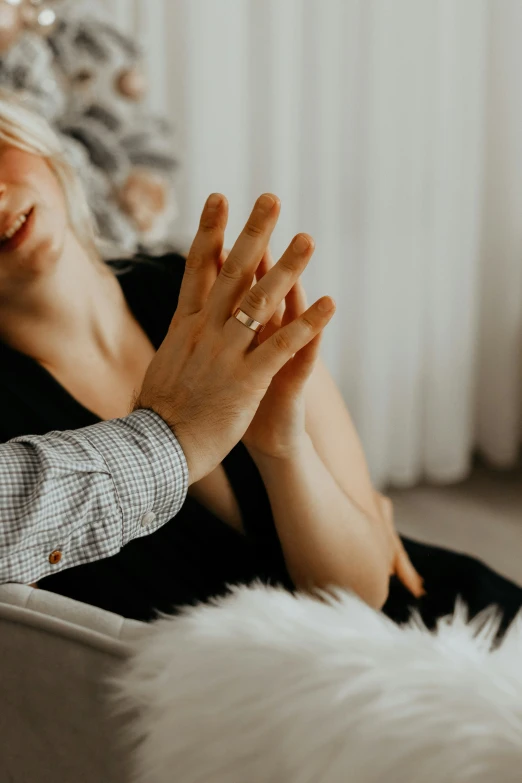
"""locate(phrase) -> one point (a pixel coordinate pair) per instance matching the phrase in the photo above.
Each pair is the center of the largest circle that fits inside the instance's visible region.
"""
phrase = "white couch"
(56, 724)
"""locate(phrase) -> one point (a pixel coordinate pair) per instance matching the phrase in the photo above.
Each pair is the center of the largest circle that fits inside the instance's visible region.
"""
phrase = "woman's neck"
(77, 304)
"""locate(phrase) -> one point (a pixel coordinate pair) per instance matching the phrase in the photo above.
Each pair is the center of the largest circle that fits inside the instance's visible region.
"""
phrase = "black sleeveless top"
(195, 555)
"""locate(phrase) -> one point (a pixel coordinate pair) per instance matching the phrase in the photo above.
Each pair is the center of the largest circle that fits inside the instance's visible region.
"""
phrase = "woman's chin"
(34, 264)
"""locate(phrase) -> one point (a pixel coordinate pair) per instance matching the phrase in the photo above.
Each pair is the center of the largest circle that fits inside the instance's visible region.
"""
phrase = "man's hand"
(210, 374)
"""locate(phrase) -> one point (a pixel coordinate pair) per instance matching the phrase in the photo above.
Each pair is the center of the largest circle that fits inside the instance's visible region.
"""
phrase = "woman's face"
(33, 218)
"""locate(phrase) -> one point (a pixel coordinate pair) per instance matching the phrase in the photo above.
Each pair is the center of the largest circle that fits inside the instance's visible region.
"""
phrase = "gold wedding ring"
(245, 319)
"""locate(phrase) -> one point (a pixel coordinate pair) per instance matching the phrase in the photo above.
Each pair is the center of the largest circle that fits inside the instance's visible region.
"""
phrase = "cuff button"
(55, 557)
(148, 518)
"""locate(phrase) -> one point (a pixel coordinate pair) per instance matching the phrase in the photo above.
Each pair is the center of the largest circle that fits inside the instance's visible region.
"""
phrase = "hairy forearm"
(327, 541)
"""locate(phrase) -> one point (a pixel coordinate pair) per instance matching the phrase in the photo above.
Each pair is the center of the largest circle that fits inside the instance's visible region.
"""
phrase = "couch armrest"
(72, 612)
(56, 720)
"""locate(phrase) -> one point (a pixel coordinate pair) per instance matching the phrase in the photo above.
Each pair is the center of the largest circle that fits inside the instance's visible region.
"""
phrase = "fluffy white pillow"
(265, 687)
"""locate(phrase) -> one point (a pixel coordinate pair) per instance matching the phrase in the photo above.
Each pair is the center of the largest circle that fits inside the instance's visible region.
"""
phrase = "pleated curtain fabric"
(392, 133)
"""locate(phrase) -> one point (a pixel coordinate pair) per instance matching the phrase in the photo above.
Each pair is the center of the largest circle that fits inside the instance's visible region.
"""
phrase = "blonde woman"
(292, 504)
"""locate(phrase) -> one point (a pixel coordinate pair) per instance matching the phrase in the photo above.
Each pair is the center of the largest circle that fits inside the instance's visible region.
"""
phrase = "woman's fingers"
(406, 572)
(301, 366)
(402, 566)
(222, 258)
(202, 265)
(265, 265)
(295, 302)
(267, 359)
(263, 299)
(239, 269)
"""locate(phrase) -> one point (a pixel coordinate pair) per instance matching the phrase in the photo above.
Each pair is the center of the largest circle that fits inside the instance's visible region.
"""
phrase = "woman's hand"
(278, 428)
(326, 538)
(400, 563)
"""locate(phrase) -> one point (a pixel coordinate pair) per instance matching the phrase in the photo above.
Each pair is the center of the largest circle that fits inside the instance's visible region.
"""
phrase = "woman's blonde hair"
(21, 127)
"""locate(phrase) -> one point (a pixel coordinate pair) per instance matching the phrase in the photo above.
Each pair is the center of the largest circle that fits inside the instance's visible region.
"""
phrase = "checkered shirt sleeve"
(68, 498)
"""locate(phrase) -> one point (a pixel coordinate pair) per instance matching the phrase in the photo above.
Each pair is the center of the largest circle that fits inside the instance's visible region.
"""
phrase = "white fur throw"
(269, 688)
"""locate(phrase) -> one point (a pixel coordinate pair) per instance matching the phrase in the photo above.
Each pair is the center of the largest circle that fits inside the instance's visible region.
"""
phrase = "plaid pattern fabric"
(85, 493)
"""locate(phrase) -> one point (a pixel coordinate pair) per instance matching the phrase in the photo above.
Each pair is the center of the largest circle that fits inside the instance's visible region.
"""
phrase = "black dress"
(195, 556)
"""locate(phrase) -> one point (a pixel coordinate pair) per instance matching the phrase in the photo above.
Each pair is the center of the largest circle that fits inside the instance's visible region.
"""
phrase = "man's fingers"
(202, 265)
(239, 269)
(263, 299)
(278, 349)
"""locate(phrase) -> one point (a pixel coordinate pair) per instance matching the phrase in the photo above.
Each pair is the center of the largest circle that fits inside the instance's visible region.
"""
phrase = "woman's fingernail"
(214, 201)
(325, 304)
(301, 244)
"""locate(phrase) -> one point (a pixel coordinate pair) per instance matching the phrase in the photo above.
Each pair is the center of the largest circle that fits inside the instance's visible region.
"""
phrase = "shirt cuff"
(148, 469)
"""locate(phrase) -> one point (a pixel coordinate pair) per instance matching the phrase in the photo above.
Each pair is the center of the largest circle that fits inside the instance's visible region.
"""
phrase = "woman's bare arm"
(326, 540)
(328, 421)
(335, 439)
(337, 443)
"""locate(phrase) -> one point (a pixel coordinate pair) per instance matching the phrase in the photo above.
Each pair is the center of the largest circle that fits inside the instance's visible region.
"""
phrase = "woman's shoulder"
(151, 286)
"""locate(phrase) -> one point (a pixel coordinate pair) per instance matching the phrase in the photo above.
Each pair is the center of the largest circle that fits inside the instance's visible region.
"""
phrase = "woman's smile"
(18, 229)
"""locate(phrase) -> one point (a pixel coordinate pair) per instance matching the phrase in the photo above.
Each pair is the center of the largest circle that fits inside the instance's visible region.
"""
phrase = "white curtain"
(392, 131)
